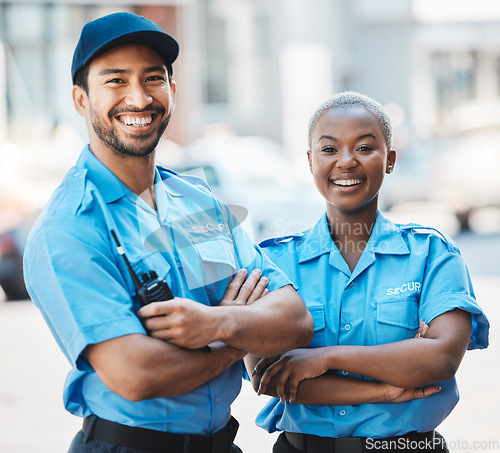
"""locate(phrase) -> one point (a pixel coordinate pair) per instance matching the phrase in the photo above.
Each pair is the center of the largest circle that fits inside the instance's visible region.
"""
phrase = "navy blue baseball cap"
(121, 28)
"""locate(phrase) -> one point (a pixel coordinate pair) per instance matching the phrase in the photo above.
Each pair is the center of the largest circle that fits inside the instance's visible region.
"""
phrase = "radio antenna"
(121, 251)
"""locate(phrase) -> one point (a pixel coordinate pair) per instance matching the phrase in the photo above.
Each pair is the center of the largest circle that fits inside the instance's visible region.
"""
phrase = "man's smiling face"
(130, 100)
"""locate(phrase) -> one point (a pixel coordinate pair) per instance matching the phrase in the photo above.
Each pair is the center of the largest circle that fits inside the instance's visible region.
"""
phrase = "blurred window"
(216, 56)
(455, 76)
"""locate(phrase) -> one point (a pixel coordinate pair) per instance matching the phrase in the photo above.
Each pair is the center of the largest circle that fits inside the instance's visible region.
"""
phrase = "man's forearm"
(139, 367)
(272, 325)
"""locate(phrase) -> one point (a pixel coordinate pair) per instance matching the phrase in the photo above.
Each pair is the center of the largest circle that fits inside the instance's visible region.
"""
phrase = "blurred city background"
(249, 75)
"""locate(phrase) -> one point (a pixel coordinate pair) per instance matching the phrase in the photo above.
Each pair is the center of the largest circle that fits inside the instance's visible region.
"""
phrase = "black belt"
(160, 441)
(411, 442)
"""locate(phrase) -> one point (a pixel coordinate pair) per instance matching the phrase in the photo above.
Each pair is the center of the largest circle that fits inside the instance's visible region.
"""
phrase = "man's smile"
(135, 121)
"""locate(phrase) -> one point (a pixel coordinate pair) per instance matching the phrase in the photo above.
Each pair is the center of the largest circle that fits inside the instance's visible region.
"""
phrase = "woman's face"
(349, 159)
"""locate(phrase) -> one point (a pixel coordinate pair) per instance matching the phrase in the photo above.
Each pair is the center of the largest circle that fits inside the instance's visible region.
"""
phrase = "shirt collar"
(110, 187)
(386, 238)
(317, 241)
(172, 182)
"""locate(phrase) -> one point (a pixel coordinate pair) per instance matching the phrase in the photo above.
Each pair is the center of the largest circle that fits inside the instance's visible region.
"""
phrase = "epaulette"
(280, 239)
(419, 229)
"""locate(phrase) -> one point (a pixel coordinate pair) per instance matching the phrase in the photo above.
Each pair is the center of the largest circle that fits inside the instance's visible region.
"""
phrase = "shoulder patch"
(419, 229)
(280, 240)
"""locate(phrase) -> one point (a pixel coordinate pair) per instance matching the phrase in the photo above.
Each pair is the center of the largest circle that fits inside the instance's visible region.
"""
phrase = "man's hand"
(241, 292)
(182, 322)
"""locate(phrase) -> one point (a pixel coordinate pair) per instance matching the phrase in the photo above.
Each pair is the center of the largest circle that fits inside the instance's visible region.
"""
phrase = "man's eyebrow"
(108, 71)
(151, 69)
(162, 69)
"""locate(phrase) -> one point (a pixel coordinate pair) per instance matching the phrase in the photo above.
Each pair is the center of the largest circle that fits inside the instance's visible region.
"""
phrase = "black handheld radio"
(151, 288)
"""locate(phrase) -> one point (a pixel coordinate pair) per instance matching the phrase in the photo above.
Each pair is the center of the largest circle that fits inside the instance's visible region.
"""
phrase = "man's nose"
(138, 97)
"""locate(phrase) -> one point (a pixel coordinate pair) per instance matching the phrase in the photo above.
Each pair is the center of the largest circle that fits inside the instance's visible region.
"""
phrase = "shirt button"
(347, 327)
(350, 285)
(343, 412)
(76, 175)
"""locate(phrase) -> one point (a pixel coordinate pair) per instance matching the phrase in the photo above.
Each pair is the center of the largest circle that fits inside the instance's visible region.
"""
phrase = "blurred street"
(33, 419)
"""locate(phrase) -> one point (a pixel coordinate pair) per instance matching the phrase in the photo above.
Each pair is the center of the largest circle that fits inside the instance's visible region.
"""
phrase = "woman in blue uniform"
(367, 283)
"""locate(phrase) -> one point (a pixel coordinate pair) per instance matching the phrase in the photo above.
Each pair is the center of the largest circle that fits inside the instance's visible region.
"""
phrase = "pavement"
(32, 373)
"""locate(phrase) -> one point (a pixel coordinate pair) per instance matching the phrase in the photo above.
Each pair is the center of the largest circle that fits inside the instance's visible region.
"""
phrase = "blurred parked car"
(13, 234)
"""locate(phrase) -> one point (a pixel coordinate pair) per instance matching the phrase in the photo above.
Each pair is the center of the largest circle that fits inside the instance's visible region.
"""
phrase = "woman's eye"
(328, 149)
(365, 148)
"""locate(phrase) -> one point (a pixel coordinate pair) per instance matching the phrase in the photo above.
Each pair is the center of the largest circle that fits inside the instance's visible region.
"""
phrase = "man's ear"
(80, 100)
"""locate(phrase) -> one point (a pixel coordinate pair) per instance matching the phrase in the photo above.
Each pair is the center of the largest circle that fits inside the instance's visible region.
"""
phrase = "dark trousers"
(283, 446)
(79, 445)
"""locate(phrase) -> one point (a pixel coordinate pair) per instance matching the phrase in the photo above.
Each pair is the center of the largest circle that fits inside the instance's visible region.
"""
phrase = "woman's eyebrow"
(367, 136)
(328, 137)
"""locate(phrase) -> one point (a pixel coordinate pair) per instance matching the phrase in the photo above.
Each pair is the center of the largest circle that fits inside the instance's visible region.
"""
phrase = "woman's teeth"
(347, 182)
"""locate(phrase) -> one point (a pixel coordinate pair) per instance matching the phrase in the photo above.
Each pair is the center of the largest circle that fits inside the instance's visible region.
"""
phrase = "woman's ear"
(391, 160)
(80, 99)
(309, 158)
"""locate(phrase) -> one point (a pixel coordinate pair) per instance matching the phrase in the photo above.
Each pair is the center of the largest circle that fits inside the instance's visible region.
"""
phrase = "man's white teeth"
(347, 182)
(137, 122)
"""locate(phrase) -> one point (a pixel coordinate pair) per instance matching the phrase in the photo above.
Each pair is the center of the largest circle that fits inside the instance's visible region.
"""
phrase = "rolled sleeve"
(447, 286)
(73, 278)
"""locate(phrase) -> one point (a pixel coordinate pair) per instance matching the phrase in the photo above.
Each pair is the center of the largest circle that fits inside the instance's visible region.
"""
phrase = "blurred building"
(261, 67)
(258, 65)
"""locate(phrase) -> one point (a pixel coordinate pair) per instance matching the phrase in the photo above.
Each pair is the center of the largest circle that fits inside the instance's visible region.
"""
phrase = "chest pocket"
(217, 261)
(397, 318)
(318, 315)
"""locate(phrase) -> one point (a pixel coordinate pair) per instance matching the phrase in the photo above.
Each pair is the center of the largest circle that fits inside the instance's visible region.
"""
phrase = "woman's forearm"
(331, 389)
(413, 362)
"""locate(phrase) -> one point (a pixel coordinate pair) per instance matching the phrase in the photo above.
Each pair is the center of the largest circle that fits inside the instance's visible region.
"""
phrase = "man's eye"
(154, 78)
(116, 80)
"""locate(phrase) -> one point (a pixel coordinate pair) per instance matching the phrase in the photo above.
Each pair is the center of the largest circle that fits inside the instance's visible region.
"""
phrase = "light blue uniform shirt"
(404, 274)
(81, 285)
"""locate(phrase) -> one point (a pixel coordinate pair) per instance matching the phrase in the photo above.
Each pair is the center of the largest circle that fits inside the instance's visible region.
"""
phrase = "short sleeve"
(73, 278)
(447, 286)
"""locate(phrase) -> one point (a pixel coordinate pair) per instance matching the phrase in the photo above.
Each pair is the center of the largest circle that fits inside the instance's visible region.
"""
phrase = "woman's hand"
(291, 368)
(400, 395)
(241, 292)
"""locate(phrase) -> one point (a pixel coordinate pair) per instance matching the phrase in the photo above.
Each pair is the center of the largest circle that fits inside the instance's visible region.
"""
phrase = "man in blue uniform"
(141, 376)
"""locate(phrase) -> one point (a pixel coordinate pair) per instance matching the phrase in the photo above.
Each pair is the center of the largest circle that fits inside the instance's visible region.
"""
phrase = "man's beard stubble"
(111, 138)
